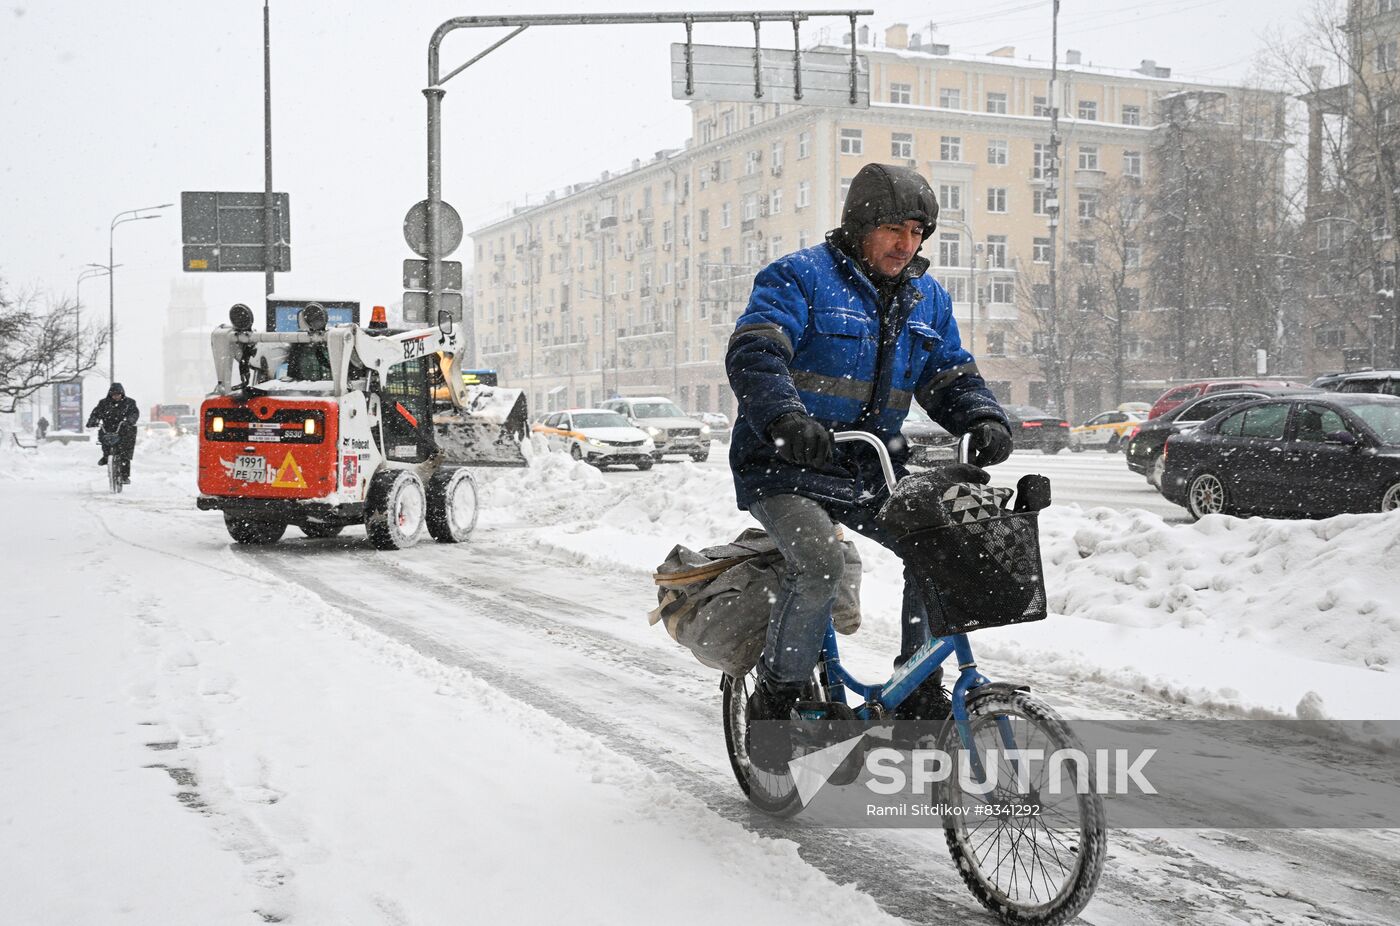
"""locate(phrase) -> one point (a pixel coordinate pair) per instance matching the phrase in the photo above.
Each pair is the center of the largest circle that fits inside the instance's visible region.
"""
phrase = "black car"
(1033, 429)
(1145, 448)
(1314, 455)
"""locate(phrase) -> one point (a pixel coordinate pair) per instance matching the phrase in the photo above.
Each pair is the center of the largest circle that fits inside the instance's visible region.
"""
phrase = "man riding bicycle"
(842, 336)
(118, 415)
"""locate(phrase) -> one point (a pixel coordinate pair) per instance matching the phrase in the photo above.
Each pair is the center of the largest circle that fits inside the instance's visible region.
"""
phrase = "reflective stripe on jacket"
(811, 341)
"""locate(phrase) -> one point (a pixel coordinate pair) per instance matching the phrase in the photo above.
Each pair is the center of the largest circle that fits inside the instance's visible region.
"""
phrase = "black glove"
(991, 443)
(801, 439)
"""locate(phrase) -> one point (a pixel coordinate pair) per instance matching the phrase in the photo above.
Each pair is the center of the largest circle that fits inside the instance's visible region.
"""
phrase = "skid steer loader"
(324, 428)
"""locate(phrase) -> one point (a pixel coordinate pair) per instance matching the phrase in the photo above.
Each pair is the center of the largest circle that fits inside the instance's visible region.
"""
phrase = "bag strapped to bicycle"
(716, 602)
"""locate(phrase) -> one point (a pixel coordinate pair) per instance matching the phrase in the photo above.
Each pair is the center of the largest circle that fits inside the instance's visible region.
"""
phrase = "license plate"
(249, 468)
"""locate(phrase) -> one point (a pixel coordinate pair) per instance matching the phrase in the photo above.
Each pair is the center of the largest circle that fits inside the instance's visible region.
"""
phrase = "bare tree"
(40, 346)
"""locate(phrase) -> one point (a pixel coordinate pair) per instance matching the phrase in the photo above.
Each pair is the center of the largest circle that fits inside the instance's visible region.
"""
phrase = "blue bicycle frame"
(921, 664)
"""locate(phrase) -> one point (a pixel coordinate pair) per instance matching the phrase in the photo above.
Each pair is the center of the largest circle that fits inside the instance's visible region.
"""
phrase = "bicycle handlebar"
(964, 447)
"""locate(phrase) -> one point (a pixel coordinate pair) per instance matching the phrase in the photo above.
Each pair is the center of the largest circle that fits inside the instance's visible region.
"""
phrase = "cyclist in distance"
(117, 414)
(842, 336)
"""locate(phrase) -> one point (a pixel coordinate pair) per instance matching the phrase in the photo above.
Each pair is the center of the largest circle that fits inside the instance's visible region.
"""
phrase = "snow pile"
(1327, 589)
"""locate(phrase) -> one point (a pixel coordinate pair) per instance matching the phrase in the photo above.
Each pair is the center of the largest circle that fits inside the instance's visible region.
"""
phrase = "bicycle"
(111, 449)
(1039, 869)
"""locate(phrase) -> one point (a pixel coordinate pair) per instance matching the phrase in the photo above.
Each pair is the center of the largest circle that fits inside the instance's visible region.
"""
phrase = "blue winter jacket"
(811, 341)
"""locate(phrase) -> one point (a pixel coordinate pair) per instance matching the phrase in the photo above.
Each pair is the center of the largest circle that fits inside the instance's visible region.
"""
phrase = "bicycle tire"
(995, 869)
(114, 472)
(775, 795)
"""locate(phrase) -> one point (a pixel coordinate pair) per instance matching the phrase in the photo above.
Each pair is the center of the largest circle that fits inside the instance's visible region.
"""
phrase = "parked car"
(1106, 429)
(671, 429)
(1383, 382)
(1314, 455)
(597, 436)
(929, 442)
(1033, 429)
(1179, 394)
(717, 422)
(1145, 408)
(1144, 448)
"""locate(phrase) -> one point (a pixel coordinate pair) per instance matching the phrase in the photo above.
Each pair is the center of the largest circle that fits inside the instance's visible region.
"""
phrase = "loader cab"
(406, 412)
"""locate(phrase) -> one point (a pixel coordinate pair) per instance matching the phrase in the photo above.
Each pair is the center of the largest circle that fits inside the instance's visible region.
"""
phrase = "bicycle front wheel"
(114, 472)
(1029, 854)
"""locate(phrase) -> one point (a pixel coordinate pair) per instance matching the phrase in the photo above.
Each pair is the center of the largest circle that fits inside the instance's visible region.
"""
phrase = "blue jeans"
(805, 532)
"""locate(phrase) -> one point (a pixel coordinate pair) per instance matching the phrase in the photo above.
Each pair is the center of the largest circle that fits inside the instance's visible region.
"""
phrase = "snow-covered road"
(319, 733)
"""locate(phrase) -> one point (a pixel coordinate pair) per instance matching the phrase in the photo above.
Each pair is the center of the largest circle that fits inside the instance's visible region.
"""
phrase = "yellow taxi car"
(1106, 430)
(596, 436)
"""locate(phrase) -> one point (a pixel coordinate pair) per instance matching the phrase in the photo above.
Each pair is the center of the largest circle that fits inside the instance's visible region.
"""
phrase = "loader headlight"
(704, 429)
(216, 424)
(309, 426)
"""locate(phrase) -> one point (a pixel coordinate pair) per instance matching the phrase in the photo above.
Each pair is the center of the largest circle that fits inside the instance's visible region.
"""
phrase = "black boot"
(930, 701)
(770, 705)
(103, 461)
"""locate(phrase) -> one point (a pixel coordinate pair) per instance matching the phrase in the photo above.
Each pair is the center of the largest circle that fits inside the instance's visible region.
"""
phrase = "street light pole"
(129, 215)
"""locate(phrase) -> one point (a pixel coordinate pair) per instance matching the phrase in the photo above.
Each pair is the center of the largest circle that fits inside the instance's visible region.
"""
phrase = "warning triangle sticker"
(289, 474)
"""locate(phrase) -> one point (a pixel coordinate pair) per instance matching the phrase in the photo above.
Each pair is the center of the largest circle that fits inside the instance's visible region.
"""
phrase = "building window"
(1387, 6)
(802, 239)
(1132, 115)
(1003, 291)
(775, 247)
(1088, 205)
(956, 287)
(1132, 163)
(1040, 160)
(1328, 338)
(845, 188)
(996, 199)
(776, 158)
(752, 160)
(804, 194)
(950, 148)
(749, 207)
(1040, 295)
(727, 121)
(1130, 298)
(996, 344)
(996, 252)
(949, 98)
(950, 195)
(996, 151)
(1132, 255)
(901, 93)
(775, 201)
(1040, 106)
(1386, 58)
(1040, 250)
(724, 215)
(1088, 157)
(902, 145)
(1088, 110)
(1088, 251)
(1038, 199)
(804, 144)
(852, 141)
(996, 103)
(949, 249)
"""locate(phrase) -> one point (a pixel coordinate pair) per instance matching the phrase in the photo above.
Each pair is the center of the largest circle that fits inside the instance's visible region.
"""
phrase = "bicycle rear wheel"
(1039, 869)
(114, 471)
(771, 793)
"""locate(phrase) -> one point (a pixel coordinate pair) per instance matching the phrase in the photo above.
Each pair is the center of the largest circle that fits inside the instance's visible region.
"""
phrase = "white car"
(670, 428)
(597, 436)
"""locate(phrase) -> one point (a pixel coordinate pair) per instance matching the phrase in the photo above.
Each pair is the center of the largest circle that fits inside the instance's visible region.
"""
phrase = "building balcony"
(645, 330)
(1089, 178)
(563, 341)
(497, 350)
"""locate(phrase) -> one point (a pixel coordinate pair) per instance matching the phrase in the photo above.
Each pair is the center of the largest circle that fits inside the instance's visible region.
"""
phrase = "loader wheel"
(253, 533)
(321, 531)
(452, 505)
(396, 510)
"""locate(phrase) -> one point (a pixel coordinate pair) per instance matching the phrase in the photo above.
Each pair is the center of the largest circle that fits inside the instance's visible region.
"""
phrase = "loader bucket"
(487, 431)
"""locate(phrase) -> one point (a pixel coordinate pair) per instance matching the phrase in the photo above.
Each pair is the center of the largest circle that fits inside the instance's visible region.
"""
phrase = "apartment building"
(630, 284)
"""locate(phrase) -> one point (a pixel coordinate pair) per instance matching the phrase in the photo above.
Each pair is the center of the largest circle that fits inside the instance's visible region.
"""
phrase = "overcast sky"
(112, 106)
